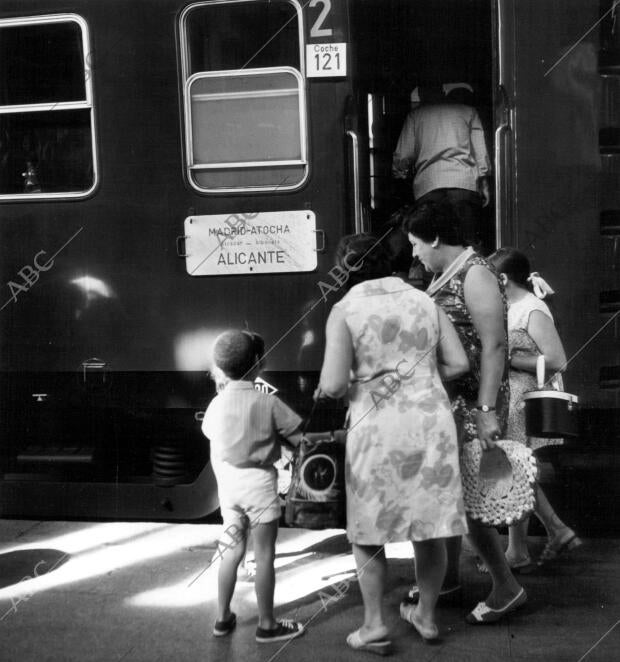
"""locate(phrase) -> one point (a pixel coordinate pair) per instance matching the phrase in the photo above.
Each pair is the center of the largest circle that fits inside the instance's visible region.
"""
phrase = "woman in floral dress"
(388, 346)
(469, 291)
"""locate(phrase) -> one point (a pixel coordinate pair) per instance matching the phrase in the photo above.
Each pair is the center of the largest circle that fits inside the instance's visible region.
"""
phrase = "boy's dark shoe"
(285, 629)
(222, 628)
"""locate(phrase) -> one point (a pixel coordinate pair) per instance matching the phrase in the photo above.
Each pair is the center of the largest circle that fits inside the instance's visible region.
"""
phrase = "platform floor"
(145, 592)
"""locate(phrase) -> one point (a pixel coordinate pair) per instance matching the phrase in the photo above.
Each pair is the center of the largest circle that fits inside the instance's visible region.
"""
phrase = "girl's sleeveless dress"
(520, 341)
(402, 471)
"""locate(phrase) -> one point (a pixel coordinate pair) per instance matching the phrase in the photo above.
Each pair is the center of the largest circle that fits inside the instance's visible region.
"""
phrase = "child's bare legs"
(264, 584)
(232, 551)
(249, 566)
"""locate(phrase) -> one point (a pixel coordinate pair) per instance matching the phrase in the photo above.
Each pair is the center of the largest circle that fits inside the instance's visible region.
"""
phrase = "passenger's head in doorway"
(460, 93)
(238, 355)
(362, 257)
(431, 93)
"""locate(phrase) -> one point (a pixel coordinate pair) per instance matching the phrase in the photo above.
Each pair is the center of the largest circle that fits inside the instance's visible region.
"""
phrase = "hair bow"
(540, 285)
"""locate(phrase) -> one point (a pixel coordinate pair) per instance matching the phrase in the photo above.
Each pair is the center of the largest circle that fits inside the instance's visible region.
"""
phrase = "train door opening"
(400, 45)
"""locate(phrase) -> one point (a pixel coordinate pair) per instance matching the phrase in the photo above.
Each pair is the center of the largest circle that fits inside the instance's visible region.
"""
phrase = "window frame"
(86, 104)
(300, 74)
(233, 165)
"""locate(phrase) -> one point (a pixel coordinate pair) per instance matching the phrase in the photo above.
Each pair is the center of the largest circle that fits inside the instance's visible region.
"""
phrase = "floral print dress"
(402, 472)
(463, 391)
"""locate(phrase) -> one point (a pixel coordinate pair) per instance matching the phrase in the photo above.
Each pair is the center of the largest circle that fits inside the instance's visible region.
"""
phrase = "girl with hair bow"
(531, 332)
(539, 285)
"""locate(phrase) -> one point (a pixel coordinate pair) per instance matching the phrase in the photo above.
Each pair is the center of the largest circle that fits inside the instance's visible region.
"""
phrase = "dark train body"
(170, 169)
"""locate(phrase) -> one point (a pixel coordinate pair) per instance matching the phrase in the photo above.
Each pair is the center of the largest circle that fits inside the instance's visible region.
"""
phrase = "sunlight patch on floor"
(299, 573)
(105, 548)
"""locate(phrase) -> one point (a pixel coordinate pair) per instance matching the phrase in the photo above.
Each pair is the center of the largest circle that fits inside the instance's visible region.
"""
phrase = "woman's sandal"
(484, 614)
(379, 647)
(553, 550)
(430, 635)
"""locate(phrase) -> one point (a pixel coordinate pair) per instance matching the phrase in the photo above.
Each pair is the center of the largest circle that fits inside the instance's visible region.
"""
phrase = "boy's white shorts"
(248, 495)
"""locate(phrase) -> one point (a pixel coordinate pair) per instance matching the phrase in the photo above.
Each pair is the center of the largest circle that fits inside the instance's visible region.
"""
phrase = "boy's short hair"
(235, 353)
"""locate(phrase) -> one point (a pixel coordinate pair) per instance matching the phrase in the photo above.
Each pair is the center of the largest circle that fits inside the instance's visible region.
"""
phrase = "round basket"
(504, 498)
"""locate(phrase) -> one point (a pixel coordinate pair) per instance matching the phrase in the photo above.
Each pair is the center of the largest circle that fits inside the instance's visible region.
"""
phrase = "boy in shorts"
(246, 429)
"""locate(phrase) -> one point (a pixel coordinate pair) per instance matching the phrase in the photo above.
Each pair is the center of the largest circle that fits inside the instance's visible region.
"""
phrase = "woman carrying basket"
(531, 333)
(470, 293)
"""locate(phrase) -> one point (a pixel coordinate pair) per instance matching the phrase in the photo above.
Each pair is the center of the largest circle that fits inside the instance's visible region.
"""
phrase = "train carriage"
(169, 169)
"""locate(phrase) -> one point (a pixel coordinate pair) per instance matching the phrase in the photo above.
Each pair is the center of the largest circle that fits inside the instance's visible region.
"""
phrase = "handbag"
(498, 484)
(550, 413)
(316, 496)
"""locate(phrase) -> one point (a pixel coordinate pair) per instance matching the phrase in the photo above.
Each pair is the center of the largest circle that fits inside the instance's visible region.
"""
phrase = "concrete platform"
(145, 592)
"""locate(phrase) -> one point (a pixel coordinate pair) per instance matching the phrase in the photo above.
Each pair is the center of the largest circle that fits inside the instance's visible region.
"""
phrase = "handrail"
(356, 181)
(500, 45)
(501, 168)
(504, 155)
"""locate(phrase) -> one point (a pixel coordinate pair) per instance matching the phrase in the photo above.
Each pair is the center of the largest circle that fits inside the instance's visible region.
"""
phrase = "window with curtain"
(245, 110)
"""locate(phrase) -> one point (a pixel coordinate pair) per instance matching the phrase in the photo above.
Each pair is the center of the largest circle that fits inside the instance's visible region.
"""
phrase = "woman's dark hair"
(513, 263)
(363, 257)
(395, 241)
(428, 220)
(516, 266)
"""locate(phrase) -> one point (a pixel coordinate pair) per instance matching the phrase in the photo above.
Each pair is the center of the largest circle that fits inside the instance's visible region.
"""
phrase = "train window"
(246, 129)
(245, 110)
(47, 146)
(242, 35)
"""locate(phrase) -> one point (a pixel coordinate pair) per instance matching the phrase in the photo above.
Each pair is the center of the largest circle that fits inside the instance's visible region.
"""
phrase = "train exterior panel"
(106, 329)
(558, 167)
(170, 169)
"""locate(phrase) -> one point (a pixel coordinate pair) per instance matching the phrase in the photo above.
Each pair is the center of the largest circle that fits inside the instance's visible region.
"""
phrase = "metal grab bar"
(356, 181)
(502, 171)
(504, 185)
(501, 59)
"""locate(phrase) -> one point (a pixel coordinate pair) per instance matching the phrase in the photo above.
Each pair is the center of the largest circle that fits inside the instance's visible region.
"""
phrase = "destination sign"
(250, 243)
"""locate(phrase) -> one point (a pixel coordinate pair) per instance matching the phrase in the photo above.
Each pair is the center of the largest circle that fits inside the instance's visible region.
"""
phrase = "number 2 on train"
(317, 30)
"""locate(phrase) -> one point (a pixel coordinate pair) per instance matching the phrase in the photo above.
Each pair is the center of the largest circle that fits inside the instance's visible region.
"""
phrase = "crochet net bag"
(502, 495)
